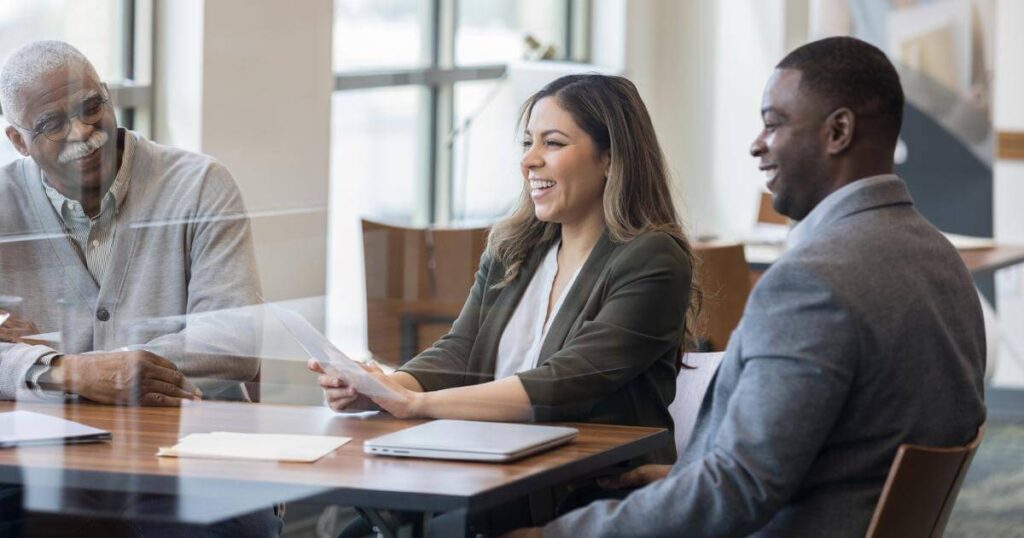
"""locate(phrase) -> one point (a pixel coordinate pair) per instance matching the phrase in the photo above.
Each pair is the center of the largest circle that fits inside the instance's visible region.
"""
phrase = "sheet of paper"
(331, 358)
(21, 428)
(255, 446)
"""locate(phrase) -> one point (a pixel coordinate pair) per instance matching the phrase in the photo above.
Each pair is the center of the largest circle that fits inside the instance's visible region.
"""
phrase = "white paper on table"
(254, 446)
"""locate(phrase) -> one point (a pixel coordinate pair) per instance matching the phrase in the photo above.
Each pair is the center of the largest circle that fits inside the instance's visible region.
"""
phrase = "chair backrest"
(417, 280)
(921, 490)
(691, 386)
(766, 213)
(724, 278)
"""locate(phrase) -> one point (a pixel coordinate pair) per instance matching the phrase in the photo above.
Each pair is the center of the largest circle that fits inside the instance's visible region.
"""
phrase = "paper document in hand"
(22, 428)
(331, 358)
(254, 446)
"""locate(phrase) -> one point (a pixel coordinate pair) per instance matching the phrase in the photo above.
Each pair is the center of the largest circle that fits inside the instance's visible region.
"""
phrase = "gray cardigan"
(866, 334)
(610, 354)
(183, 247)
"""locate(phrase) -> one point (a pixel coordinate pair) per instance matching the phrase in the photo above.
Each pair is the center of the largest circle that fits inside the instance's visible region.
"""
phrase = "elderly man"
(866, 334)
(131, 250)
(140, 255)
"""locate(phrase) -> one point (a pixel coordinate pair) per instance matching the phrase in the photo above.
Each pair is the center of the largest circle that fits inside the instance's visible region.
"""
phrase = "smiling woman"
(580, 305)
(579, 308)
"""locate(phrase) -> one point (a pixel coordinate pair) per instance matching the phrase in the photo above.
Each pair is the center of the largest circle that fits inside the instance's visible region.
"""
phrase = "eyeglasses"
(57, 127)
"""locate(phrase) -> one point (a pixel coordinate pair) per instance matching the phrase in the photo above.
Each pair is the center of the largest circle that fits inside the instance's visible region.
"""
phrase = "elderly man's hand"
(13, 329)
(339, 395)
(123, 378)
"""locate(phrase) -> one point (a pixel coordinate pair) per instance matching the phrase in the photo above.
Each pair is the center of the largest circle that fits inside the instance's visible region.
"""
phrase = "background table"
(212, 490)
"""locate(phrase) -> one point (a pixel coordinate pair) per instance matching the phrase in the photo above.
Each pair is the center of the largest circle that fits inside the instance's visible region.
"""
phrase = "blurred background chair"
(921, 490)
(417, 280)
(724, 278)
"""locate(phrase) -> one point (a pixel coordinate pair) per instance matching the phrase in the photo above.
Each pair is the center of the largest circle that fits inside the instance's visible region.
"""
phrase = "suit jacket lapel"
(886, 192)
(498, 315)
(577, 297)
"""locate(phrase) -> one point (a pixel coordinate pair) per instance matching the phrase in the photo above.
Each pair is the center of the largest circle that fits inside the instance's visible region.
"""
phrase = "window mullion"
(443, 110)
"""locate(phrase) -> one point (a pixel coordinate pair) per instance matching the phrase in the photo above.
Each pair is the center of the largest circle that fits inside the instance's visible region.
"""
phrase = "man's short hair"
(848, 72)
(25, 66)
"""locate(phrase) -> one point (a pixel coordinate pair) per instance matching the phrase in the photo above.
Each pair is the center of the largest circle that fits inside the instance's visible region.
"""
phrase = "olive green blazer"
(610, 354)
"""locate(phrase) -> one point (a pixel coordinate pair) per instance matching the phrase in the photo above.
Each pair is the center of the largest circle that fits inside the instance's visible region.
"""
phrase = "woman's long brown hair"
(637, 197)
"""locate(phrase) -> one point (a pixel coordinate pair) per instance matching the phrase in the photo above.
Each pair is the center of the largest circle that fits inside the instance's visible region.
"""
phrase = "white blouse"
(524, 335)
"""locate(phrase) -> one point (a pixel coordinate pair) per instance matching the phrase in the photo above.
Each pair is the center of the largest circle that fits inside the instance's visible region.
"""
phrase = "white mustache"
(76, 150)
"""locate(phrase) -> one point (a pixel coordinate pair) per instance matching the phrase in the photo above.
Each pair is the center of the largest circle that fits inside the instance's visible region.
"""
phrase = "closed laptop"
(470, 440)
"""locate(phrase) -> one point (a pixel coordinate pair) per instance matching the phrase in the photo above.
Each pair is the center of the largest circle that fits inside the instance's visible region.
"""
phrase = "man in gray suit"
(867, 333)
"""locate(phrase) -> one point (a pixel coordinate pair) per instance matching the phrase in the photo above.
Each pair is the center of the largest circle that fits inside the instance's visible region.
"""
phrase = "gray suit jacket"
(610, 354)
(866, 335)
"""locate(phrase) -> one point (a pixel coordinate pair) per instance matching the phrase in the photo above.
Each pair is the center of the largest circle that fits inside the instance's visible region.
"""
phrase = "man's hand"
(13, 329)
(636, 478)
(122, 378)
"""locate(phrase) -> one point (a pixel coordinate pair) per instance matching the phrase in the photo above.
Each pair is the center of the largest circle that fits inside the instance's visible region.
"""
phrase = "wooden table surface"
(979, 261)
(346, 476)
(985, 260)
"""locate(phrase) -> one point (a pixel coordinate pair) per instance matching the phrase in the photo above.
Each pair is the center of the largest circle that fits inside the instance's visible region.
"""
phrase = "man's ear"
(840, 125)
(18, 141)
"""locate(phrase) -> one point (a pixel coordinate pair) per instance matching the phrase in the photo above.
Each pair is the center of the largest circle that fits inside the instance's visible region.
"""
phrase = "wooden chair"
(417, 280)
(921, 489)
(724, 278)
(766, 213)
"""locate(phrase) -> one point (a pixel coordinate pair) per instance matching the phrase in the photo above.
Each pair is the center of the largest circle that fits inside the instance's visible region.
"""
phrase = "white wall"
(700, 67)
(177, 74)
(249, 82)
(749, 41)
(1008, 115)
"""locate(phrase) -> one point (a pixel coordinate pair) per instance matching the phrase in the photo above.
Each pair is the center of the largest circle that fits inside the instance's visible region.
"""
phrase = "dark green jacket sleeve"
(638, 320)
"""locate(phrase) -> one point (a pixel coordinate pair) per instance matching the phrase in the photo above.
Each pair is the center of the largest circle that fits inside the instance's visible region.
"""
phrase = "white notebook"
(254, 446)
(24, 428)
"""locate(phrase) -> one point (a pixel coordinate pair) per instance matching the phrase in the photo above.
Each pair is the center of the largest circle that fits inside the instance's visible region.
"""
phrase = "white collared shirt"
(524, 335)
(93, 238)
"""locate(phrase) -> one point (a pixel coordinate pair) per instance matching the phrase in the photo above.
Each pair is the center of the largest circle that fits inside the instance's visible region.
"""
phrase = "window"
(111, 33)
(413, 79)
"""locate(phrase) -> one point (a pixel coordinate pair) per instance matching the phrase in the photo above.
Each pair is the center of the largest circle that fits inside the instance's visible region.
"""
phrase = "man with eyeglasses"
(119, 244)
(136, 253)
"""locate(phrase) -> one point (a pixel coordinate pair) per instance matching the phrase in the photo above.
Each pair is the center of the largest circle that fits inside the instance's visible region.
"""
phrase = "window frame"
(439, 77)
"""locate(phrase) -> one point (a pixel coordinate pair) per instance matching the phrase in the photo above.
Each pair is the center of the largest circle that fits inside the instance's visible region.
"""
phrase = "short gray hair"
(25, 66)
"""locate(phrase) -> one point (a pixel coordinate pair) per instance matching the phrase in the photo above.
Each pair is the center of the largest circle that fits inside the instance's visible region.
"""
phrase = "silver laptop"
(470, 440)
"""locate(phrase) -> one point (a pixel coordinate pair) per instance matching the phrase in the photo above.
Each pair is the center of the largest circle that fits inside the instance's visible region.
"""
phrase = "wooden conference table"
(979, 261)
(207, 491)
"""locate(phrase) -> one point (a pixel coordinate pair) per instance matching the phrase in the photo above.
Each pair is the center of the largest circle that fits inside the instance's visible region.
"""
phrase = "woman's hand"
(338, 395)
(636, 478)
(402, 402)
